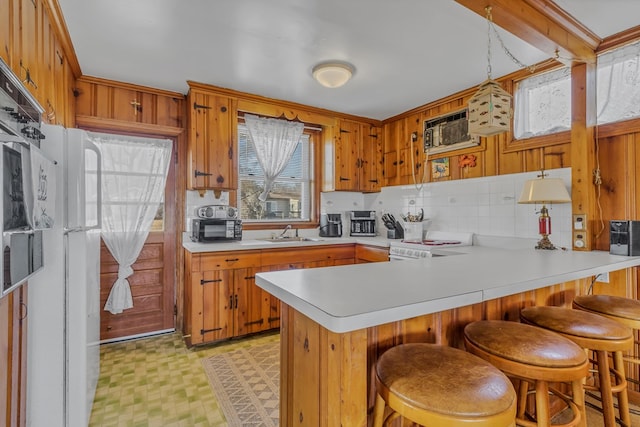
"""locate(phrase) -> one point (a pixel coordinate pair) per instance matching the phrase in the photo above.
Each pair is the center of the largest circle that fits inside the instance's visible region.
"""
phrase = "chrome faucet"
(287, 228)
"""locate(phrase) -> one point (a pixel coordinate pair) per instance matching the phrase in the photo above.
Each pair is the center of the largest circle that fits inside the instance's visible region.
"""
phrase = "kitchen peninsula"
(336, 322)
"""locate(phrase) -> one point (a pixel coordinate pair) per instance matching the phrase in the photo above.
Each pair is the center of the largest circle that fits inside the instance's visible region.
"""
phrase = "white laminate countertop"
(352, 297)
(251, 244)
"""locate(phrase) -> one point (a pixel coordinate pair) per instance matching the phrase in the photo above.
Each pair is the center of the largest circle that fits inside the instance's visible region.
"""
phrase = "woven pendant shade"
(489, 110)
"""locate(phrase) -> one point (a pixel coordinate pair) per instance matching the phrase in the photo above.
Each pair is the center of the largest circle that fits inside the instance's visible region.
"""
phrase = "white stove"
(404, 250)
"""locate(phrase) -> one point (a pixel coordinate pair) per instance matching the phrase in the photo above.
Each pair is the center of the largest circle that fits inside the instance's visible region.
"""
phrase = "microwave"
(205, 230)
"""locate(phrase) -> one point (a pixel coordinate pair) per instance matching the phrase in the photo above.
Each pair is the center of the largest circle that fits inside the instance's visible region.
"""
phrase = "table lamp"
(544, 190)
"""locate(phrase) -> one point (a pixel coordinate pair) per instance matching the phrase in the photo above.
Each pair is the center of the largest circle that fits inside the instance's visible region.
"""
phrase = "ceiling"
(406, 52)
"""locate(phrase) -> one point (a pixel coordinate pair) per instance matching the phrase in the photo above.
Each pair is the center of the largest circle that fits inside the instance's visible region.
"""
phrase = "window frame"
(512, 144)
(316, 135)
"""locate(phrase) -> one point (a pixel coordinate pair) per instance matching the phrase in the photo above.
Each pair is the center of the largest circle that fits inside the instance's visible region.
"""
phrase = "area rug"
(246, 383)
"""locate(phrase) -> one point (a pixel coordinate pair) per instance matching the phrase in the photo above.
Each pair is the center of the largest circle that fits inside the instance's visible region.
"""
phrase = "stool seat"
(438, 385)
(601, 335)
(588, 330)
(535, 356)
(621, 309)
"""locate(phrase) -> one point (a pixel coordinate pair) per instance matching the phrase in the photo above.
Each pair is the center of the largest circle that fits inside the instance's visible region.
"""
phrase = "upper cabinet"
(212, 140)
(31, 45)
(356, 156)
(108, 101)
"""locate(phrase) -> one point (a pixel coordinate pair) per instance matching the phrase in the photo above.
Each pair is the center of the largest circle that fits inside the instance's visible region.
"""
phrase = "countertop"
(347, 298)
(251, 244)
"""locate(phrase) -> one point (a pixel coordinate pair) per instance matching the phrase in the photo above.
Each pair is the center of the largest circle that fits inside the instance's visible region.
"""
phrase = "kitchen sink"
(290, 239)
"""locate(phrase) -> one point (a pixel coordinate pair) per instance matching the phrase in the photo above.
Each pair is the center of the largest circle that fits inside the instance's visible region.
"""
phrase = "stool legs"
(623, 396)
(542, 404)
(608, 386)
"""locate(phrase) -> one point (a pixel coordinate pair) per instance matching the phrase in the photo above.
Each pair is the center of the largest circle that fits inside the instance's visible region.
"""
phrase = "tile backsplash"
(485, 206)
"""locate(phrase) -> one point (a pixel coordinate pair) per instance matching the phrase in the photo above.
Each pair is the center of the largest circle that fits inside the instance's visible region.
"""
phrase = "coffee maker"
(624, 237)
(330, 225)
(363, 223)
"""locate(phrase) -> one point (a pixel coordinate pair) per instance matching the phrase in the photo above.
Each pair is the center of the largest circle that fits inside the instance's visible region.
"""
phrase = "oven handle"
(398, 258)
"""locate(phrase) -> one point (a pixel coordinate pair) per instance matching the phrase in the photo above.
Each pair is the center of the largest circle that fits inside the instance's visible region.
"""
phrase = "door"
(153, 281)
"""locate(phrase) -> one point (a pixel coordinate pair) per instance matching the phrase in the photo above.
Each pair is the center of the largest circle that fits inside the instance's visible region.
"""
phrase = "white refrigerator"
(63, 356)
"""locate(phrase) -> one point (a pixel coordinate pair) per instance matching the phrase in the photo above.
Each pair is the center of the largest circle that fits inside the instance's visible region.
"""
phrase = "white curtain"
(543, 104)
(133, 182)
(275, 141)
(618, 84)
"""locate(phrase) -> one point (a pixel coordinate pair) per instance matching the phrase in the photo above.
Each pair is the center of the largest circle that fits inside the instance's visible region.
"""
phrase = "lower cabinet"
(367, 253)
(222, 300)
(13, 358)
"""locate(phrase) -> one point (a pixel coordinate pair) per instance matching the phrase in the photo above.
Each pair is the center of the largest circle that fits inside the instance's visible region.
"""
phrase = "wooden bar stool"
(533, 356)
(435, 385)
(602, 336)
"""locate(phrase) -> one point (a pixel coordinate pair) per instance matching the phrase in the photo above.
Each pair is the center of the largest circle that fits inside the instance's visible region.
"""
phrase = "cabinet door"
(371, 159)
(251, 303)
(273, 318)
(217, 306)
(347, 160)
(212, 141)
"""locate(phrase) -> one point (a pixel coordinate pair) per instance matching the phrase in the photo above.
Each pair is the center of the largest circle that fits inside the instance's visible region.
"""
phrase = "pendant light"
(490, 110)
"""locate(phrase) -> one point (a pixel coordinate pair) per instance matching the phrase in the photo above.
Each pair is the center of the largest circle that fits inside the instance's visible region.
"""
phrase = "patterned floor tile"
(159, 382)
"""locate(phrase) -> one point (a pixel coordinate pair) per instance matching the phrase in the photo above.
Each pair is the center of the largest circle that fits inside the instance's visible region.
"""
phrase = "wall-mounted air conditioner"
(448, 132)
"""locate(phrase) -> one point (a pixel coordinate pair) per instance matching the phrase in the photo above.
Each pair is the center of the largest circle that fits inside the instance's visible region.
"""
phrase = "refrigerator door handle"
(93, 147)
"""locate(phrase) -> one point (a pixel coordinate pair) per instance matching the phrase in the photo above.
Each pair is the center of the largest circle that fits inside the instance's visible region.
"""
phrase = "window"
(290, 197)
(618, 84)
(543, 104)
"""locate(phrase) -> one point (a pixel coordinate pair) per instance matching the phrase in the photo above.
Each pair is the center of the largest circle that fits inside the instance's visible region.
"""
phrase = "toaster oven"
(209, 230)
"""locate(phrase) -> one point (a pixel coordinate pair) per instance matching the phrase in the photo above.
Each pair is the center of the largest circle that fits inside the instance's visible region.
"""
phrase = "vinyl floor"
(159, 382)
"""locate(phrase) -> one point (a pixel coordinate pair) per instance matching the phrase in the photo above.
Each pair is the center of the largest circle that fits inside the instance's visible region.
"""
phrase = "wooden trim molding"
(617, 40)
(111, 125)
(542, 24)
(130, 86)
(62, 32)
(277, 108)
(514, 145)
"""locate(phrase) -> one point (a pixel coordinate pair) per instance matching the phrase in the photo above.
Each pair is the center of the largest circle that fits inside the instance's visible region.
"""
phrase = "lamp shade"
(332, 74)
(544, 190)
(489, 110)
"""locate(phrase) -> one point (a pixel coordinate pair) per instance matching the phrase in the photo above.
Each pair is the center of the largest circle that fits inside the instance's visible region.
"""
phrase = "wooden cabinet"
(366, 253)
(403, 150)
(357, 157)
(212, 140)
(222, 300)
(13, 358)
(109, 101)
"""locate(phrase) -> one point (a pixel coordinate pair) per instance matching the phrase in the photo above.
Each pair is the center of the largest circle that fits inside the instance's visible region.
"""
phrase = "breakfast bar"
(337, 321)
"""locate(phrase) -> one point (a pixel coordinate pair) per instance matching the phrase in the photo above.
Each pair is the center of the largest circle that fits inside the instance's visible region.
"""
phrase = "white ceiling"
(406, 52)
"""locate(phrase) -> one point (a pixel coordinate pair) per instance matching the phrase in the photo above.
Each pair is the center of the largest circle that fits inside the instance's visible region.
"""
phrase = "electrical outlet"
(579, 240)
(603, 277)
(579, 222)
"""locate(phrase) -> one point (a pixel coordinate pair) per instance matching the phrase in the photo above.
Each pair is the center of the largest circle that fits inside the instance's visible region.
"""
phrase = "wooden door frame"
(172, 235)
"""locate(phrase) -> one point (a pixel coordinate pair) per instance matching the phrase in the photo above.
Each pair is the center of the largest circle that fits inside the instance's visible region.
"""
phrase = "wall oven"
(19, 131)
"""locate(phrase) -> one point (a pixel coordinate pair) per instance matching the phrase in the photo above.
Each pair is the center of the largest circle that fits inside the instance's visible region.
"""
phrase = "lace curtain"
(543, 104)
(618, 84)
(275, 141)
(133, 182)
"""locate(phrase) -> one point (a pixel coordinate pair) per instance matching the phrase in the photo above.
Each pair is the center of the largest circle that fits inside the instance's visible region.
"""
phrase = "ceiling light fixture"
(332, 74)
(490, 109)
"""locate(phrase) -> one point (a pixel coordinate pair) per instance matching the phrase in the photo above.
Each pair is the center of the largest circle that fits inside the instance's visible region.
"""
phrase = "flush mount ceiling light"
(332, 74)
